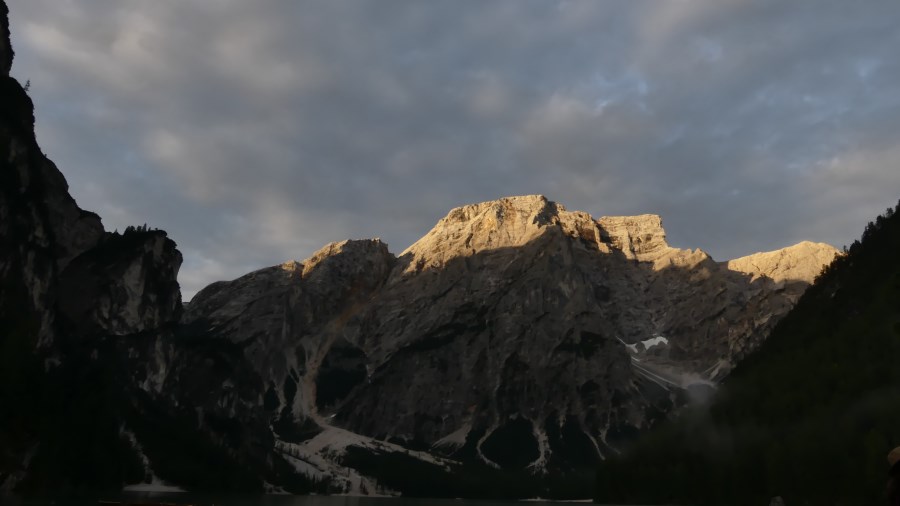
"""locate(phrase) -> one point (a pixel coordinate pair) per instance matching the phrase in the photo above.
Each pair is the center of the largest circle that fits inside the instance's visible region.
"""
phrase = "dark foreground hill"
(810, 416)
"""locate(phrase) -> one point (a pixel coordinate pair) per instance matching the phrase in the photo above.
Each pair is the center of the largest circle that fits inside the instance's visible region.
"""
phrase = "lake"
(274, 500)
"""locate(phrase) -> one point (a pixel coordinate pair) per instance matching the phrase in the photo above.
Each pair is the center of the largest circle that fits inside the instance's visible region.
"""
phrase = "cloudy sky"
(256, 132)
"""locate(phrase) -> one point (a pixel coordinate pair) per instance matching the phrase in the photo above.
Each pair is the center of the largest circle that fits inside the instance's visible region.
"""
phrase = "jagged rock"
(41, 226)
(125, 285)
(286, 317)
(511, 320)
(506, 293)
(639, 238)
(62, 278)
(800, 262)
(494, 311)
(467, 230)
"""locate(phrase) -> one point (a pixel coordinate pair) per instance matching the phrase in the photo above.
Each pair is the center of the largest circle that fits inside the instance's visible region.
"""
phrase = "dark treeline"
(79, 412)
(809, 417)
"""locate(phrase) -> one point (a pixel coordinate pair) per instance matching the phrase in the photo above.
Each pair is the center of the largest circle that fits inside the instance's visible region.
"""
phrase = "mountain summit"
(513, 323)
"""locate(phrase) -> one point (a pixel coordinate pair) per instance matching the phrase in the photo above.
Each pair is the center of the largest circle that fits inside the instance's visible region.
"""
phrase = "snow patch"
(718, 369)
(481, 441)
(455, 439)
(654, 341)
(540, 464)
(646, 344)
(669, 376)
(631, 347)
(659, 380)
(594, 440)
(318, 458)
(316, 466)
(306, 468)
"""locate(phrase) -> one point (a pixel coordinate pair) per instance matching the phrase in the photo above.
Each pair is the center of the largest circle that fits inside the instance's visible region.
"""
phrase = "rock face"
(75, 306)
(798, 263)
(56, 255)
(124, 285)
(638, 237)
(41, 227)
(512, 323)
(497, 312)
(287, 316)
(512, 308)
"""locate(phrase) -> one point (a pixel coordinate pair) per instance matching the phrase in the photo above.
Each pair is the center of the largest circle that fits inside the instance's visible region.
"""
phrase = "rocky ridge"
(799, 262)
(513, 320)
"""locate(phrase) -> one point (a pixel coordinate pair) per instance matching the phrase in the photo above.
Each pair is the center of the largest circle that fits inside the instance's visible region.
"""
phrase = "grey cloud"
(256, 133)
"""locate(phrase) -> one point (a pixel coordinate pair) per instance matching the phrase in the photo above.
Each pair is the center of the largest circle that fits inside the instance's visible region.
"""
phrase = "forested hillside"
(809, 417)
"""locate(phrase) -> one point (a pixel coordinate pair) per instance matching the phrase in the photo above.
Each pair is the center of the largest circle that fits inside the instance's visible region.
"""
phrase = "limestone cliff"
(124, 285)
(287, 316)
(57, 256)
(41, 227)
(519, 283)
(513, 320)
(800, 262)
(67, 288)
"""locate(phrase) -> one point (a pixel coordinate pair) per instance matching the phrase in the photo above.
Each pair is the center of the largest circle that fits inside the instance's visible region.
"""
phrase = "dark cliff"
(77, 303)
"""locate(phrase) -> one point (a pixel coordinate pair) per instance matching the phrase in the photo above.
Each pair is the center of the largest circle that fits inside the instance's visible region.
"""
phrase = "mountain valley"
(508, 352)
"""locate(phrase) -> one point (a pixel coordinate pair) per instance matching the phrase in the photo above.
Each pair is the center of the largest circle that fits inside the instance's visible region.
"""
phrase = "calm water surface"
(282, 500)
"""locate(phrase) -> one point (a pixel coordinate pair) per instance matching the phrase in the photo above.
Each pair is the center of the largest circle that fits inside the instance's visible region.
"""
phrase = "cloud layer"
(257, 132)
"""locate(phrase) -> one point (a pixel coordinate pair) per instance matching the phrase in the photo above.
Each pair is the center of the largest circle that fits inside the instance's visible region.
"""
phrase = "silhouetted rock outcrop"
(67, 287)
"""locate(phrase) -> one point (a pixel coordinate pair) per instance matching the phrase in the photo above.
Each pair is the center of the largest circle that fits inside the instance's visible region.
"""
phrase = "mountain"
(505, 352)
(514, 335)
(809, 416)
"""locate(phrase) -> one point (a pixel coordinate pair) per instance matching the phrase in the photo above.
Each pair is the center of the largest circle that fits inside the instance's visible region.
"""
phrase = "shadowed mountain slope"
(809, 416)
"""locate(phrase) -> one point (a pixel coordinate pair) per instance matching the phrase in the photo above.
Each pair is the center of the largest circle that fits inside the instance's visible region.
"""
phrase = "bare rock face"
(512, 323)
(509, 310)
(287, 316)
(800, 262)
(491, 326)
(41, 227)
(467, 230)
(68, 288)
(637, 237)
(126, 284)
